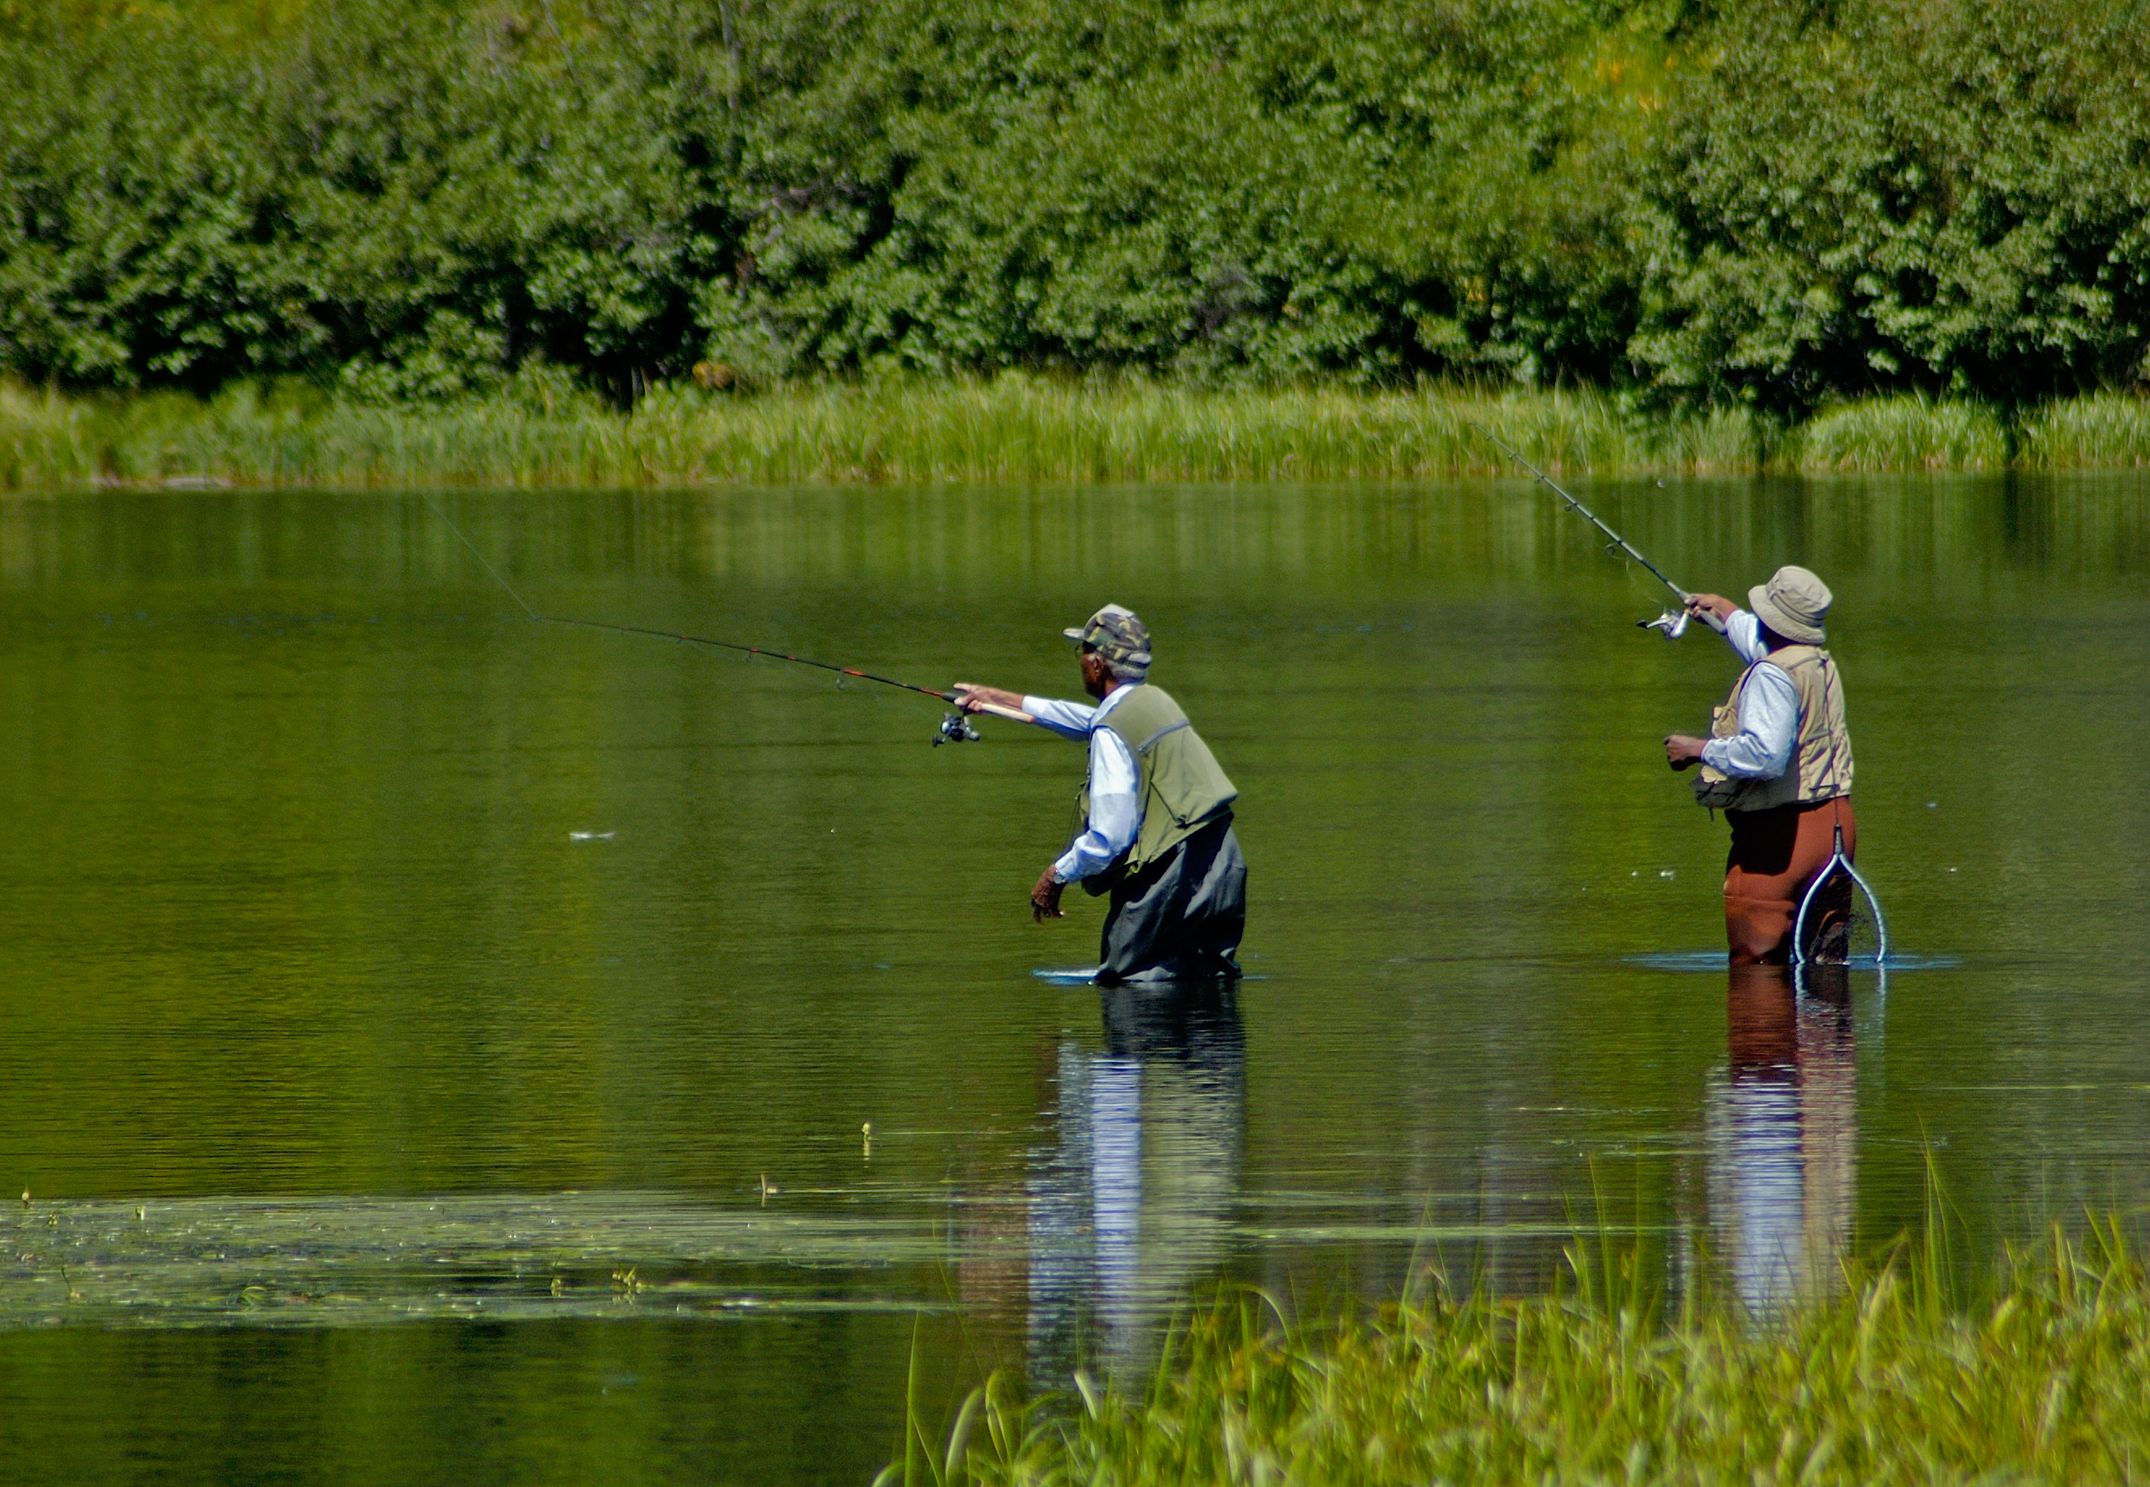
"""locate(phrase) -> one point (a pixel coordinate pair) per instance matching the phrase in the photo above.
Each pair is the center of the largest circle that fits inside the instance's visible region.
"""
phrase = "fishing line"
(1673, 621)
(498, 576)
(744, 650)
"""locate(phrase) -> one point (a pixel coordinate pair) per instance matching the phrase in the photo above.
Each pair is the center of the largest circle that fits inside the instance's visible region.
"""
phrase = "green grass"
(1011, 428)
(1893, 1380)
(1906, 433)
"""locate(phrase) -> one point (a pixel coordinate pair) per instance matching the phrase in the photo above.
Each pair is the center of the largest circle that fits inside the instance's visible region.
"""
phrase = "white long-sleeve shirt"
(1115, 807)
(1768, 711)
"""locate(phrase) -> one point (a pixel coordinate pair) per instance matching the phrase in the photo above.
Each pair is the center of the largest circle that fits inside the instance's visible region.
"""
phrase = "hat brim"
(1074, 634)
(1774, 615)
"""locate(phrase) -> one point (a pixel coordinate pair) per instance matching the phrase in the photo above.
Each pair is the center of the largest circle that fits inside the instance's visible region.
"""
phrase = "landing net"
(1840, 921)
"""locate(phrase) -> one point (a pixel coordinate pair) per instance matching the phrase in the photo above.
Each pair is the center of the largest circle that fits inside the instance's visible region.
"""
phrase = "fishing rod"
(955, 728)
(1673, 622)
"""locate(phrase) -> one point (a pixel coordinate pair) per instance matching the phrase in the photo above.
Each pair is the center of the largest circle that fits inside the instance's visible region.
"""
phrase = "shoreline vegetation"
(1708, 211)
(1011, 428)
(1892, 1379)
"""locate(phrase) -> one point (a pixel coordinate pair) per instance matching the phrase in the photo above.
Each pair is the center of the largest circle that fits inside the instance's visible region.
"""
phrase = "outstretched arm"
(972, 696)
(991, 701)
(1068, 719)
(1713, 607)
(1741, 629)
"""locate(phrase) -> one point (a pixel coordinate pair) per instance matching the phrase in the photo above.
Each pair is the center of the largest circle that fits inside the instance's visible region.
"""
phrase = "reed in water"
(1009, 428)
(1895, 1378)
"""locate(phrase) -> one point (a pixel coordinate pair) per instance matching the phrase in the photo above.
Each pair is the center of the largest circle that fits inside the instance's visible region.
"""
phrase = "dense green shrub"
(1896, 195)
(1771, 204)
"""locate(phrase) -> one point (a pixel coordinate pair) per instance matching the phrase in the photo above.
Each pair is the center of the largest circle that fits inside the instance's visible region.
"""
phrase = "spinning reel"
(1673, 622)
(956, 728)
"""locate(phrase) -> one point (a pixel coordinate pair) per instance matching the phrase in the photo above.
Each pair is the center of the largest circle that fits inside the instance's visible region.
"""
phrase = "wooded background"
(1766, 204)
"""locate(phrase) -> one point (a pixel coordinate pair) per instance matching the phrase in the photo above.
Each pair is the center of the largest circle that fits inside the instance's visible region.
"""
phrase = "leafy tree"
(1772, 204)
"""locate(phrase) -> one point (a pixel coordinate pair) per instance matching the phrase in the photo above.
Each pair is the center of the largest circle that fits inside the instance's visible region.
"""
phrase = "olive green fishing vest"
(1820, 766)
(1179, 782)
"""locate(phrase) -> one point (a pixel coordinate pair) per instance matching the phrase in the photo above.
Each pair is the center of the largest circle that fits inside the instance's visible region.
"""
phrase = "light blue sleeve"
(1768, 723)
(1115, 810)
(1068, 719)
(1744, 632)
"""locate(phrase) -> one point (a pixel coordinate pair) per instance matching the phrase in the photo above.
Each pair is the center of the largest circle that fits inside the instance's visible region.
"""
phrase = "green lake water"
(437, 1047)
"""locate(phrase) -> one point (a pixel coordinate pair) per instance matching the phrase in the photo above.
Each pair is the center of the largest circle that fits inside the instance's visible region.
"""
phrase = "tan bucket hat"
(1793, 603)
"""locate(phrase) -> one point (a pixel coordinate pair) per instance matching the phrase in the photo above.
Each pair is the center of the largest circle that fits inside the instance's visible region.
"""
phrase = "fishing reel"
(1673, 622)
(956, 728)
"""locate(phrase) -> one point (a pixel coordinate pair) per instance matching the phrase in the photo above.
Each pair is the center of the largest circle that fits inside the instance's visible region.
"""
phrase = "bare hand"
(972, 697)
(1711, 606)
(1683, 750)
(1045, 898)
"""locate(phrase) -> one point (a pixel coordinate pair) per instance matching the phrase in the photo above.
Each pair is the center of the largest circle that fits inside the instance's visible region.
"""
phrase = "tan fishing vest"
(1180, 784)
(1820, 766)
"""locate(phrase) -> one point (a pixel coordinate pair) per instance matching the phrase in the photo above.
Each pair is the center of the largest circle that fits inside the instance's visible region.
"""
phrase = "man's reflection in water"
(1131, 1203)
(1782, 1134)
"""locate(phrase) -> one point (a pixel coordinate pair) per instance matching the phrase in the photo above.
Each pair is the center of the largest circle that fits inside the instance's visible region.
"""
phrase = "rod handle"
(1704, 615)
(995, 710)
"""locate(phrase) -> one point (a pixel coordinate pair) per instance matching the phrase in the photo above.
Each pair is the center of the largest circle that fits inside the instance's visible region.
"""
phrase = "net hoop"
(1838, 862)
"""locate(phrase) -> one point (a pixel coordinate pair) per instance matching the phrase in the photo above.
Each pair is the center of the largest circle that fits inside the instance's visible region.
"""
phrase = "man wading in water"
(1778, 764)
(1156, 816)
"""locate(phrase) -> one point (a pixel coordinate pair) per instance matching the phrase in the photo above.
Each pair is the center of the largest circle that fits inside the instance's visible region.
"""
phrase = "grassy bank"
(1009, 429)
(1890, 1382)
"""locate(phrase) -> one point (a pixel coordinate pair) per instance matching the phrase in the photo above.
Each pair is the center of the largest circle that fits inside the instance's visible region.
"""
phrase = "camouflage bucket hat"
(1114, 633)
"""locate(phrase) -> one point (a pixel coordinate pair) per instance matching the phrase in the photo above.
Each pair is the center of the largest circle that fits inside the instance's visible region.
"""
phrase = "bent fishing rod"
(1673, 622)
(955, 728)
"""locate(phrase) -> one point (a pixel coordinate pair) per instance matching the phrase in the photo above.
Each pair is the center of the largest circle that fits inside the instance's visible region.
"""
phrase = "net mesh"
(1841, 922)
